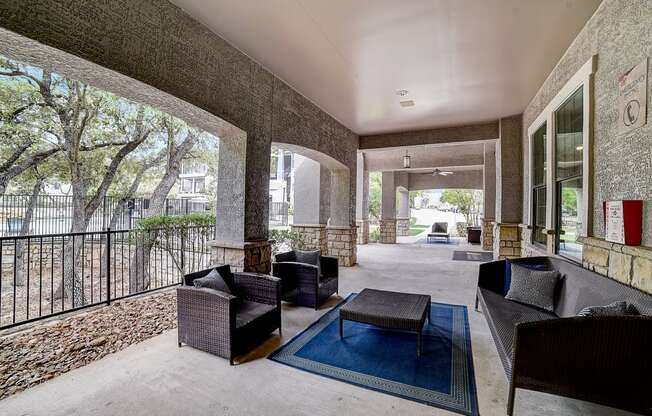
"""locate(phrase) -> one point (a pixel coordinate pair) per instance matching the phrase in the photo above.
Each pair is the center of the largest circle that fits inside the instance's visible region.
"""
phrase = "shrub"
(285, 240)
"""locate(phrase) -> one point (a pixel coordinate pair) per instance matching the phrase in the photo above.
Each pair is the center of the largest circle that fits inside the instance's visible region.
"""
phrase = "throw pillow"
(533, 287)
(508, 272)
(229, 279)
(618, 308)
(308, 257)
(214, 281)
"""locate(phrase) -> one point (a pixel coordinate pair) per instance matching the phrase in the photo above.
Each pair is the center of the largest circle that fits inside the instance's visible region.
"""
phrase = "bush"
(413, 221)
(285, 240)
(374, 234)
(196, 219)
(461, 228)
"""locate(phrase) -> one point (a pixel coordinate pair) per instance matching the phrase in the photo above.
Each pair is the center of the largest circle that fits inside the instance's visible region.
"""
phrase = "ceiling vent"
(407, 103)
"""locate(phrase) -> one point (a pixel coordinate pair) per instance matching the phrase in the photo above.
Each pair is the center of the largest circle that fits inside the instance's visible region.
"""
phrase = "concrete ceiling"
(462, 61)
(425, 158)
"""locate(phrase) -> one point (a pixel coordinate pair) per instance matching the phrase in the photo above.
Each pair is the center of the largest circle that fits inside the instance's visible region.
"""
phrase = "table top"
(383, 303)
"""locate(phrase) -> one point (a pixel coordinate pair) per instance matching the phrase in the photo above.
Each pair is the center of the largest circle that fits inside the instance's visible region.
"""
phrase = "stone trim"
(488, 233)
(342, 244)
(363, 231)
(631, 265)
(402, 227)
(387, 231)
(250, 256)
(314, 236)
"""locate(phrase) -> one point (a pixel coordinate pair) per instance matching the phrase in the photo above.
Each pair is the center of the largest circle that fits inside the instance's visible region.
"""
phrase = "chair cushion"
(220, 278)
(533, 287)
(307, 257)
(248, 311)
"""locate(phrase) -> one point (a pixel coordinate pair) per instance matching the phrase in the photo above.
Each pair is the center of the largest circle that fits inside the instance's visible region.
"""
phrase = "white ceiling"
(462, 61)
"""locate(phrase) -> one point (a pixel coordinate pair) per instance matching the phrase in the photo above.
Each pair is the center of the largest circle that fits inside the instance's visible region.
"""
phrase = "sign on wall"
(632, 98)
(623, 221)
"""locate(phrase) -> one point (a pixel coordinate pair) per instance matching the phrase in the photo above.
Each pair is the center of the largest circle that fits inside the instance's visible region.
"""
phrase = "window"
(200, 185)
(569, 129)
(539, 175)
(186, 185)
(273, 166)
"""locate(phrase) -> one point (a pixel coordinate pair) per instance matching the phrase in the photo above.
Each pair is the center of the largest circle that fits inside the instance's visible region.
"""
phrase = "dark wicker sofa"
(306, 284)
(604, 360)
(226, 325)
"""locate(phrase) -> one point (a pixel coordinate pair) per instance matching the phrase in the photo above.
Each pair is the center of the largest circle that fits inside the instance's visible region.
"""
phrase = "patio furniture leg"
(419, 344)
(340, 328)
(510, 400)
(476, 303)
(179, 344)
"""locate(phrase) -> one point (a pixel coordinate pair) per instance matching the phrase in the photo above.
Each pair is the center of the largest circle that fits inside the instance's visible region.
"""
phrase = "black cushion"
(220, 278)
(249, 311)
(307, 257)
(533, 287)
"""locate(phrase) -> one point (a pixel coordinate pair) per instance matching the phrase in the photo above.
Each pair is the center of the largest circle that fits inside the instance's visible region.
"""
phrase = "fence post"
(108, 266)
(187, 206)
(183, 254)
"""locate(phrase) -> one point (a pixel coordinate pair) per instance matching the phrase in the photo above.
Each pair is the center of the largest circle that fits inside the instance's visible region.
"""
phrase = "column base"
(488, 233)
(313, 236)
(250, 256)
(507, 241)
(387, 231)
(363, 231)
(402, 227)
(342, 244)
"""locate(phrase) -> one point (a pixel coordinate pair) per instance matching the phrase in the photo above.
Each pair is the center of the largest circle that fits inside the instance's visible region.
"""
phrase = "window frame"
(536, 187)
(583, 78)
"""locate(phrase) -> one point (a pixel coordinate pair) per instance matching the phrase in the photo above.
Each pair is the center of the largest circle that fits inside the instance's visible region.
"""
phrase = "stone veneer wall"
(507, 241)
(248, 257)
(487, 234)
(363, 231)
(387, 232)
(631, 265)
(314, 237)
(402, 227)
(342, 244)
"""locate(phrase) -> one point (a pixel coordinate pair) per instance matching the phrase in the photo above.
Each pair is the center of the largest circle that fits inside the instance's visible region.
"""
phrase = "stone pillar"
(489, 195)
(509, 188)
(342, 235)
(242, 206)
(362, 200)
(487, 234)
(311, 203)
(507, 241)
(403, 212)
(388, 209)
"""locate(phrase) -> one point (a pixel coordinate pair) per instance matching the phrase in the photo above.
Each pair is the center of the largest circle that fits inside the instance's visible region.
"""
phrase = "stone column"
(388, 209)
(489, 194)
(342, 235)
(241, 226)
(403, 212)
(362, 200)
(509, 188)
(311, 203)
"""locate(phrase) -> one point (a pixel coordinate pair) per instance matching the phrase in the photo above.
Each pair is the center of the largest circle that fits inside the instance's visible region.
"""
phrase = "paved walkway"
(157, 378)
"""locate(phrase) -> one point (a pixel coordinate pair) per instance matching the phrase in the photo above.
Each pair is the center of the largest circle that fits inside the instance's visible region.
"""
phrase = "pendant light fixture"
(406, 160)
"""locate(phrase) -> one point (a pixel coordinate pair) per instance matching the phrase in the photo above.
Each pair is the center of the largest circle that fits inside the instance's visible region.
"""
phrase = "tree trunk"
(24, 230)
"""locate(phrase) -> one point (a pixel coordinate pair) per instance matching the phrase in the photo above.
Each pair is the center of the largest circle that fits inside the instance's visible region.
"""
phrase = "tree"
(413, 195)
(467, 201)
(375, 194)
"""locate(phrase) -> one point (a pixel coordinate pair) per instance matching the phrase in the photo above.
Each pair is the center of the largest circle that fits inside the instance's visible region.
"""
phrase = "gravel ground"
(42, 352)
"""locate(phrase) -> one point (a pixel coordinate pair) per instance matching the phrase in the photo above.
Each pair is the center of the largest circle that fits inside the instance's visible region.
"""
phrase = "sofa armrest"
(600, 359)
(491, 276)
(199, 309)
(261, 288)
(329, 266)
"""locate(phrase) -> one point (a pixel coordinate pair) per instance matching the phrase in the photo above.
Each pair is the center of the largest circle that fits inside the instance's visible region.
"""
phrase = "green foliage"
(569, 201)
(167, 222)
(375, 193)
(461, 228)
(413, 195)
(467, 201)
(374, 233)
(285, 240)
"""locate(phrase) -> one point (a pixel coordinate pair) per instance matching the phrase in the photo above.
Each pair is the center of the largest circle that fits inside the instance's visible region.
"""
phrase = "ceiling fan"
(441, 172)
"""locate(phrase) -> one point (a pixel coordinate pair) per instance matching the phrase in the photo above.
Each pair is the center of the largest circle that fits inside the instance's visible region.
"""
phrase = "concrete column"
(311, 203)
(509, 188)
(403, 212)
(489, 195)
(342, 235)
(241, 226)
(362, 200)
(388, 209)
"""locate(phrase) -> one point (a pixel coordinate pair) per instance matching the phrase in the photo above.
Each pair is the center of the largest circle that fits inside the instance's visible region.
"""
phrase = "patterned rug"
(434, 241)
(473, 255)
(386, 361)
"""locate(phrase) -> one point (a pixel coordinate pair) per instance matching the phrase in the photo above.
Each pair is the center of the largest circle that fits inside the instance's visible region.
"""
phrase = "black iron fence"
(278, 213)
(53, 214)
(49, 274)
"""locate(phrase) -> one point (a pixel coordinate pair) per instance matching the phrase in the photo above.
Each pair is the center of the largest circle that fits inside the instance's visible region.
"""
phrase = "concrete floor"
(157, 378)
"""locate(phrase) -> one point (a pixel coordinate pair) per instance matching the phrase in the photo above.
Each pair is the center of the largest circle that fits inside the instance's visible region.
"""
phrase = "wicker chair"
(225, 325)
(306, 284)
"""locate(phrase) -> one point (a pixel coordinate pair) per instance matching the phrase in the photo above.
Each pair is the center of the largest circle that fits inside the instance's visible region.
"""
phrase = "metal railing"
(53, 214)
(50, 274)
(278, 213)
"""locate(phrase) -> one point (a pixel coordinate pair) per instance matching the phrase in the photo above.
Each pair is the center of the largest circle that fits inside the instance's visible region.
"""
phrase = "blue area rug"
(386, 361)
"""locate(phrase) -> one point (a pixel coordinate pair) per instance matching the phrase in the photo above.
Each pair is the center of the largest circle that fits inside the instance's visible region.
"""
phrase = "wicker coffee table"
(391, 310)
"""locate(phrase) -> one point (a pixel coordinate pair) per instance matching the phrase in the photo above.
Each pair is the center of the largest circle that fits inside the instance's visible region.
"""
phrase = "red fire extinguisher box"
(623, 221)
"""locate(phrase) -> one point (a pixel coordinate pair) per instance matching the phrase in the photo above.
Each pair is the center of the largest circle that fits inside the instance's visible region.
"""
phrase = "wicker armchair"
(306, 284)
(225, 325)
